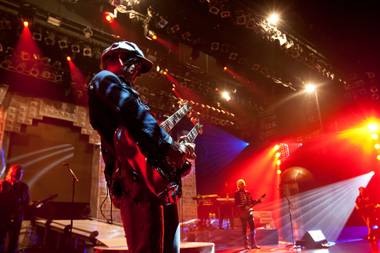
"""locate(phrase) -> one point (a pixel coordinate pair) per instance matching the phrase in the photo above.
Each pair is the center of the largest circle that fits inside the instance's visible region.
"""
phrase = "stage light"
(378, 157)
(225, 95)
(68, 58)
(50, 39)
(377, 146)
(214, 46)
(54, 21)
(279, 172)
(25, 23)
(75, 48)
(162, 23)
(62, 43)
(374, 136)
(87, 32)
(109, 17)
(278, 162)
(310, 88)
(225, 68)
(225, 14)
(278, 154)
(373, 127)
(87, 51)
(276, 147)
(37, 36)
(273, 18)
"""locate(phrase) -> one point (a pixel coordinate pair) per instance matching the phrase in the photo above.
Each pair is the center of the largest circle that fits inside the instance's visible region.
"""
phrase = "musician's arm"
(154, 142)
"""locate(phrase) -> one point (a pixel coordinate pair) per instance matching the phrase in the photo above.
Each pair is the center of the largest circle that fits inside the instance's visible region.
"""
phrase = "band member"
(364, 206)
(113, 105)
(14, 198)
(244, 201)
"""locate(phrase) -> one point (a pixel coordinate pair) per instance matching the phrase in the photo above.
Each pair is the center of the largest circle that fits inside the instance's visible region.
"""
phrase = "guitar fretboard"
(170, 122)
(190, 137)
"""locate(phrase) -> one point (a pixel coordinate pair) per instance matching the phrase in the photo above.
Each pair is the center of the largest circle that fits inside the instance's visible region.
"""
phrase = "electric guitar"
(165, 186)
(247, 211)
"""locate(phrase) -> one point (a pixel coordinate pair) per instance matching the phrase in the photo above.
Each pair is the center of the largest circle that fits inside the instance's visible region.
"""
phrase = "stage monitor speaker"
(314, 239)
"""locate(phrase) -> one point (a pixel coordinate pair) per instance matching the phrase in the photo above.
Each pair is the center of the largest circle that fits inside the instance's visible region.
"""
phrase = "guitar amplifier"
(266, 236)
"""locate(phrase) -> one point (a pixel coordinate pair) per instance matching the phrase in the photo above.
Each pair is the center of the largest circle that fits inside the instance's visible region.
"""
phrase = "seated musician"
(364, 206)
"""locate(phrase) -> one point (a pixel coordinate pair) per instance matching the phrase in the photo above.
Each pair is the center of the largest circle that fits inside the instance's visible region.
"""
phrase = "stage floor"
(361, 246)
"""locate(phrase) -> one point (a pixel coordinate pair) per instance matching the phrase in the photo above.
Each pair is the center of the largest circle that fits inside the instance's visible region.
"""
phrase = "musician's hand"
(188, 149)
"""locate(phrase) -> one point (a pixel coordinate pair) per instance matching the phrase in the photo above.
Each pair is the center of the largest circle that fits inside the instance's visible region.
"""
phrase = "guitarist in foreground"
(244, 202)
(122, 120)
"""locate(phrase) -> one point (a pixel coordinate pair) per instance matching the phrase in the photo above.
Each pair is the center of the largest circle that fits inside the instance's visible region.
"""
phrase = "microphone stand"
(293, 246)
(75, 180)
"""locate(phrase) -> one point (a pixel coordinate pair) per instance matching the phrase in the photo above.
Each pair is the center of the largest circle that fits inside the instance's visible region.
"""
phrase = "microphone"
(72, 173)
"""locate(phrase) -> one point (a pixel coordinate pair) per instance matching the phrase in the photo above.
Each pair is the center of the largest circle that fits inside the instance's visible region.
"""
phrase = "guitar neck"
(170, 122)
(190, 137)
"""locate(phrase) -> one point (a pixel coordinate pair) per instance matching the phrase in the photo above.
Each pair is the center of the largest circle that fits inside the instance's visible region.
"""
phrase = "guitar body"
(130, 157)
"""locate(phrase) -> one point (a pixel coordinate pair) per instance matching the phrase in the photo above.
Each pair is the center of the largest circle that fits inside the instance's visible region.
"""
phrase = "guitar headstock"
(185, 104)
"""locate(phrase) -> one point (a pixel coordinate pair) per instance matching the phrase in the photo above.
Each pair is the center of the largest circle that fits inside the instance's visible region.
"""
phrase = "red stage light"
(68, 58)
(25, 23)
(109, 17)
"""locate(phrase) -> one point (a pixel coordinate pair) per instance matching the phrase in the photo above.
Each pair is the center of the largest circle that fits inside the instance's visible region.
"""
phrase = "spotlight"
(174, 29)
(373, 127)
(46, 74)
(225, 14)
(25, 23)
(37, 36)
(273, 18)
(25, 56)
(310, 88)
(233, 56)
(214, 10)
(278, 162)
(162, 23)
(279, 172)
(34, 72)
(62, 43)
(109, 16)
(150, 35)
(378, 157)
(241, 20)
(68, 58)
(225, 95)
(49, 39)
(215, 46)
(87, 51)
(54, 21)
(87, 32)
(276, 147)
(278, 154)
(75, 48)
(374, 136)
(377, 146)
(225, 68)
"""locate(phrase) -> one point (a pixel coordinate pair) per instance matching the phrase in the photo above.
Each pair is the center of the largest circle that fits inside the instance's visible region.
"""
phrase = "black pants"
(12, 229)
(149, 226)
(248, 220)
